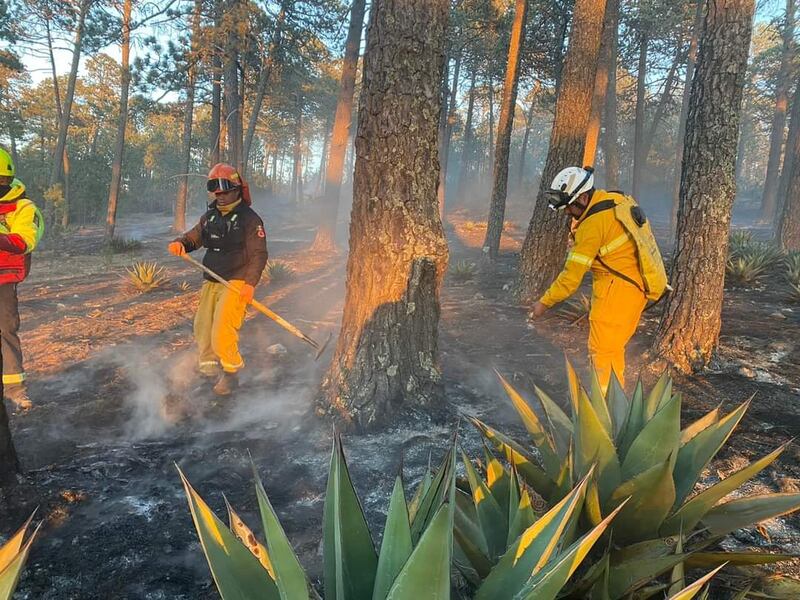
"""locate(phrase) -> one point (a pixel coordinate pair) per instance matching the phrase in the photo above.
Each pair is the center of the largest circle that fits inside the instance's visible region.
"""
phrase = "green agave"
(636, 452)
(13, 555)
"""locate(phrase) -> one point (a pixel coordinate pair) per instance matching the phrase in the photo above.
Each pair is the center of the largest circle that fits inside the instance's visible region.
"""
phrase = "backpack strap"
(599, 207)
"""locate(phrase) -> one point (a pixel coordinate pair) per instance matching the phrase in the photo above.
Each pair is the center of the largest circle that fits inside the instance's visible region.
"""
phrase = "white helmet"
(568, 185)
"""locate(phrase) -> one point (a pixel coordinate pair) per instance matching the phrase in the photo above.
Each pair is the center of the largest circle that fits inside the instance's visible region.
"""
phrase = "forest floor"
(117, 404)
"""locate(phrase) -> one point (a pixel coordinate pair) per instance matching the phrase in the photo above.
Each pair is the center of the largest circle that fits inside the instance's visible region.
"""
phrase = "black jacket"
(236, 243)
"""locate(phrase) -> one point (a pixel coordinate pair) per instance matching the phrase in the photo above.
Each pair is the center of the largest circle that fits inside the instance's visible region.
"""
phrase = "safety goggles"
(557, 199)
(220, 185)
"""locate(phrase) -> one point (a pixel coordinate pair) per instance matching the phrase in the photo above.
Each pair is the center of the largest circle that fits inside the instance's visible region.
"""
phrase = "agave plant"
(639, 452)
(463, 271)
(145, 276)
(793, 273)
(739, 241)
(575, 310)
(277, 272)
(745, 270)
(13, 555)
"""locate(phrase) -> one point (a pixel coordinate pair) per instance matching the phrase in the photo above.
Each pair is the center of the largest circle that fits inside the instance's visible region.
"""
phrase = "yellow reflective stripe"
(231, 368)
(580, 259)
(614, 244)
(208, 363)
(12, 378)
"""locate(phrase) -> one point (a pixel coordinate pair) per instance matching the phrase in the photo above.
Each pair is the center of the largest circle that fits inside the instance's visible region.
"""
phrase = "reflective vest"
(21, 228)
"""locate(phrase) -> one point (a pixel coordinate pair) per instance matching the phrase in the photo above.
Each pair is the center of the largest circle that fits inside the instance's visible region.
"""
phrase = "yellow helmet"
(6, 164)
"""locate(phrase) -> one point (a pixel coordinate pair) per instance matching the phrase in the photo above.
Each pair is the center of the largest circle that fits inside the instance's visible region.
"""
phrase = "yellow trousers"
(216, 326)
(616, 308)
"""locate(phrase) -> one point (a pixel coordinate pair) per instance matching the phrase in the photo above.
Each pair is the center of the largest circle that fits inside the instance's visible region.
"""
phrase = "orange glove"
(176, 248)
(246, 293)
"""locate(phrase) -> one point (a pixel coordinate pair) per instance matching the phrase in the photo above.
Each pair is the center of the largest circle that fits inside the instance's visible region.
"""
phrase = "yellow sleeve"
(588, 239)
(28, 225)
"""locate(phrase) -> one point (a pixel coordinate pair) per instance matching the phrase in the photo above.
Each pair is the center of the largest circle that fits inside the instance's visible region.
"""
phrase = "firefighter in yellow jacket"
(236, 249)
(601, 244)
(21, 228)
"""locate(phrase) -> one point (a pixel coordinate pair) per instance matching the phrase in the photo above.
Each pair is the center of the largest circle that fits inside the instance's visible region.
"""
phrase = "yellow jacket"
(21, 228)
(601, 234)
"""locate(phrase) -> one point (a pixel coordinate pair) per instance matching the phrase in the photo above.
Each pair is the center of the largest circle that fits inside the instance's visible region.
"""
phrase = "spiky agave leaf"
(13, 555)
(245, 535)
(692, 590)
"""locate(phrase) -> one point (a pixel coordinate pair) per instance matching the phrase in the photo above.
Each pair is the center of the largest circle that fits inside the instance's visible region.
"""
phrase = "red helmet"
(223, 178)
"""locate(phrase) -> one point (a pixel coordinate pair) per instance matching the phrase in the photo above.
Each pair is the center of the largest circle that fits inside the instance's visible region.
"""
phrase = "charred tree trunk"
(770, 195)
(263, 81)
(601, 78)
(386, 359)
(325, 240)
(689, 330)
(687, 84)
(233, 100)
(119, 148)
(447, 132)
(639, 160)
(546, 240)
(63, 126)
(468, 146)
(181, 200)
(610, 147)
(789, 226)
(497, 208)
(528, 124)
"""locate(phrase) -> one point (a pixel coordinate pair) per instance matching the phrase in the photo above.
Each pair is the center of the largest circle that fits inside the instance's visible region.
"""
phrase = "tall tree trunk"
(610, 142)
(687, 84)
(639, 160)
(181, 200)
(9, 465)
(263, 81)
(325, 240)
(233, 99)
(528, 124)
(57, 171)
(689, 330)
(563, 29)
(119, 148)
(546, 240)
(497, 208)
(770, 195)
(323, 157)
(468, 145)
(601, 78)
(60, 112)
(491, 122)
(216, 90)
(661, 108)
(789, 226)
(386, 359)
(447, 133)
(297, 157)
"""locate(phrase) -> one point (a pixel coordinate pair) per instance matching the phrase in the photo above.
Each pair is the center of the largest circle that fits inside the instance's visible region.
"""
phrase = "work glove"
(176, 248)
(538, 310)
(246, 293)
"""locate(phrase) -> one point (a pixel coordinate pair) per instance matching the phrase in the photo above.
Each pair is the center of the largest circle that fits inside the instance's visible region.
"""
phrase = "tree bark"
(770, 195)
(263, 81)
(546, 240)
(563, 28)
(610, 147)
(526, 136)
(233, 100)
(689, 330)
(386, 359)
(57, 171)
(687, 84)
(468, 146)
(601, 78)
(497, 208)
(216, 90)
(119, 149)
(639, 160)
(789, 226)
(325, 240)
(181, 200)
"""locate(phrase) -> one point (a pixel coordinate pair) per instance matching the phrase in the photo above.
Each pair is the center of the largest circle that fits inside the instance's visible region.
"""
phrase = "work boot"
(226, 384)
(208, 370)
(18, 395)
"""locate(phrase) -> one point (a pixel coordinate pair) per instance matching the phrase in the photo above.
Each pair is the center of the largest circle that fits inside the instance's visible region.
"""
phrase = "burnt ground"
(118, 405)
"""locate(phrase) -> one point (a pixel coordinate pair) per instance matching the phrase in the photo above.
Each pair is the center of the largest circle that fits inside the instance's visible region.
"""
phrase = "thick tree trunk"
(181, 200)
(386, 359)
(789, 226)
(546, 240)
(687, 84)
(526, 136)
(447, 132)
(233, 99)
(610, 142)
(468, 146)
(63, 126)
(491, 124)
(601, 78)
(689, 330)
(263, 81)
(325, 240)
(563, 28)
(119, 148)
(770, 195)
(497, 208)
(639, 160)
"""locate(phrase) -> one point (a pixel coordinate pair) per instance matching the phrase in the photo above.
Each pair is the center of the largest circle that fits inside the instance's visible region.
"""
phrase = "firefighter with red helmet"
(21, 228)
(236, 249)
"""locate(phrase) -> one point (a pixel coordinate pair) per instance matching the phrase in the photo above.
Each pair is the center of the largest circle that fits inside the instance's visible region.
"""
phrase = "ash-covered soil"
(118, 405)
